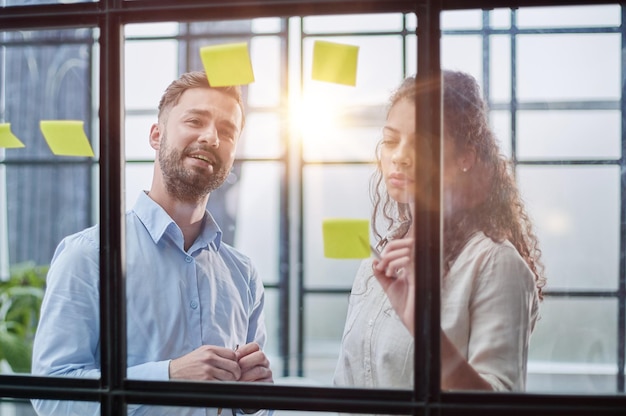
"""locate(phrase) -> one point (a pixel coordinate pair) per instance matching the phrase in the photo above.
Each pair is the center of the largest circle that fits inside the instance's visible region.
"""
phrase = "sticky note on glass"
(7, 139)
(66, 137)
(334, 62)
(346, 238)
(227, 64)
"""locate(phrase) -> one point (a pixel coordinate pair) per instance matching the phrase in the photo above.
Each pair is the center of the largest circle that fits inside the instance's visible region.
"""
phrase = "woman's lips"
(399, 180)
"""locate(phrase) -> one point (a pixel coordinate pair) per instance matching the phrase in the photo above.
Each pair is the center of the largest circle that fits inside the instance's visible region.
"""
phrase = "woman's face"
(397, 151)
(397, 158)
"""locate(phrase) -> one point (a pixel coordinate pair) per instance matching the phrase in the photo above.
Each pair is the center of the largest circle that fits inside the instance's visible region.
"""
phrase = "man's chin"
(202, 168)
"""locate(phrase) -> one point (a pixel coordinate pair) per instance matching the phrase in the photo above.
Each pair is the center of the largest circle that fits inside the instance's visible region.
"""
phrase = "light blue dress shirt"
(177, 300)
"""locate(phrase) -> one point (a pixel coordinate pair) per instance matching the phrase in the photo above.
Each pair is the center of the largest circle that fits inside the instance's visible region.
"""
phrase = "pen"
(375, 252)
(219, 409)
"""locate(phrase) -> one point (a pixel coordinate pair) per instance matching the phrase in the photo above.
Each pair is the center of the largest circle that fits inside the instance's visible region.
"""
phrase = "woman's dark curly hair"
(492, 200)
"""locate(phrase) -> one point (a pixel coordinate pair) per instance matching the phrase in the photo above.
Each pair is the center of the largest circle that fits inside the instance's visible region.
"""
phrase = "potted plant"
(20, 302)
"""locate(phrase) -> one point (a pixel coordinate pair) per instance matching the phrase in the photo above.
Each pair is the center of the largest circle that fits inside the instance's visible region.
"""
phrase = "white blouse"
(489, 306)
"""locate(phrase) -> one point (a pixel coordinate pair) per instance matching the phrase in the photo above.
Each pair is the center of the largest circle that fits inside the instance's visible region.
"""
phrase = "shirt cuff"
(155, 371)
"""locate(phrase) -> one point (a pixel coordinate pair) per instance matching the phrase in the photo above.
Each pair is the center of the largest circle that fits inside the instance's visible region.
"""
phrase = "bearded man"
(194, 303)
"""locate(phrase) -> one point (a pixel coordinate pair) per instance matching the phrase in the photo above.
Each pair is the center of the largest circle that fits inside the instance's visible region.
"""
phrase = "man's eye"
(227, 135)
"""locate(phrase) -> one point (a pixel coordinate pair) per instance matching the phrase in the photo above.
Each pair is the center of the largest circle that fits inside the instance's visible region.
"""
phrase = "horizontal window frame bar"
(89, 14)
(573, 105)
(308, 398)
(516, 4)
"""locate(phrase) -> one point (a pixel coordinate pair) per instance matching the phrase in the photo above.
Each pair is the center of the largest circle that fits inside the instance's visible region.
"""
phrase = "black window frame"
(113, 390)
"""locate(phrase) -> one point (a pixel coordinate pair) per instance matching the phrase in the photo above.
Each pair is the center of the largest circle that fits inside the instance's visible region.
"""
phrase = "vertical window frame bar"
(621, 318)
(427, 223)
(112, 229)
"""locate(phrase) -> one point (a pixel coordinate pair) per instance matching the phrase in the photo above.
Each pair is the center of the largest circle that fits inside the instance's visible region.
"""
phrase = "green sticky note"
(346, 238)
(227, 64)
(7, 139)
(334, 62)
(66, 137)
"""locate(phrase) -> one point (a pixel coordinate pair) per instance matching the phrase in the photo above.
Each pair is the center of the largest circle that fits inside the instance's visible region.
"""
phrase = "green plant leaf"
(16, 351)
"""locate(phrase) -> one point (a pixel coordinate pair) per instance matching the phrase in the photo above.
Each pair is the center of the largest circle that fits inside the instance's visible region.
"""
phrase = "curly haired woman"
(492, 277)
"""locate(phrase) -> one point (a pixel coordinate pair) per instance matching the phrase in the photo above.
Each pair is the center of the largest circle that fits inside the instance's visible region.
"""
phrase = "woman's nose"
(403, 155)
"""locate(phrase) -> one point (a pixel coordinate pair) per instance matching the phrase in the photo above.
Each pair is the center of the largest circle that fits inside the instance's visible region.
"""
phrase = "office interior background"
(553, 76)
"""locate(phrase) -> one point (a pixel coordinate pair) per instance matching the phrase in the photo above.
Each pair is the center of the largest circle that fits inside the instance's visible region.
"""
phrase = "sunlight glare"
(314, 115)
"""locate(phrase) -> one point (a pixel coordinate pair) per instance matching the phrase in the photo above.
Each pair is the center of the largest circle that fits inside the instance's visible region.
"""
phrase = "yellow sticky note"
(66, 137)
(334, 62)
(7, 139)
(346, 238)
(227, 64)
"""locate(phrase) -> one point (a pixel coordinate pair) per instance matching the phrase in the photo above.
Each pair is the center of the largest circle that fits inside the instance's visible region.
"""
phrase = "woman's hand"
(395, 273)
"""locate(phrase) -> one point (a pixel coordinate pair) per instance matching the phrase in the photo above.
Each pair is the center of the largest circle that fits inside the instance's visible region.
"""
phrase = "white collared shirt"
(489, 306)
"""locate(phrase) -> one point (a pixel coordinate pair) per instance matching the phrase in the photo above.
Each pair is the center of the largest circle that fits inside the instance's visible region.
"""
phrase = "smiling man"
(194, 303)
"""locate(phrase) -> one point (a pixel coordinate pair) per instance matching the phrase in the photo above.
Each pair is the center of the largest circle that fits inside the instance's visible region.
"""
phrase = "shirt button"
(193, 304)
(188, 259)
(370, 323)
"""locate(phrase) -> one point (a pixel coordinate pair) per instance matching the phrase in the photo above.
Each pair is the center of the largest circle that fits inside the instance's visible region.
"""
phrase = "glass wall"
(553, 84)
(552, 80)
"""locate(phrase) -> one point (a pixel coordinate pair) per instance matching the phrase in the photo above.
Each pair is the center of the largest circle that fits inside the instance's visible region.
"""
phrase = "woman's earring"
(464, 170)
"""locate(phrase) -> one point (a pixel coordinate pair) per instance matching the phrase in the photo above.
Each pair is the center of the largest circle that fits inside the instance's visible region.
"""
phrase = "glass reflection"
(44, 195)
(544, 120)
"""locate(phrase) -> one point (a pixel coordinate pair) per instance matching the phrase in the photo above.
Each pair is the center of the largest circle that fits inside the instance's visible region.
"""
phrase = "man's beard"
(193, 184)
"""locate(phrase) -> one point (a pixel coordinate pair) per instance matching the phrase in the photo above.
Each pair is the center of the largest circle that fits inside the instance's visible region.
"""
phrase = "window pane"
(265, 91)
(45, 195)
(500, 18)
(569, 67)
(554, 102)
(374, 81)
(143, 85)
(576, 209)
(585, 16)
(138, 179)
(331, 192)
(462, 53)
(266, 25)
(325, 316)
(275, 331)
(137, 136)
(411, 55)
(461, 19)
(339, 122)
(569, 135)
(262, 136)
(500, 68)
(500, 122)
(574, 347)
(353, 23)
(258, 213)
(151, 29)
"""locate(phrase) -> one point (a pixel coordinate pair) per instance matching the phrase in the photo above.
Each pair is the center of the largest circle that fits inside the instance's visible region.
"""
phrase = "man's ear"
(155, 136)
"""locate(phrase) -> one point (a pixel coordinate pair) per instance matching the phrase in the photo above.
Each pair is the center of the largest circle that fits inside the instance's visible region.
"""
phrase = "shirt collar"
(158, 222)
